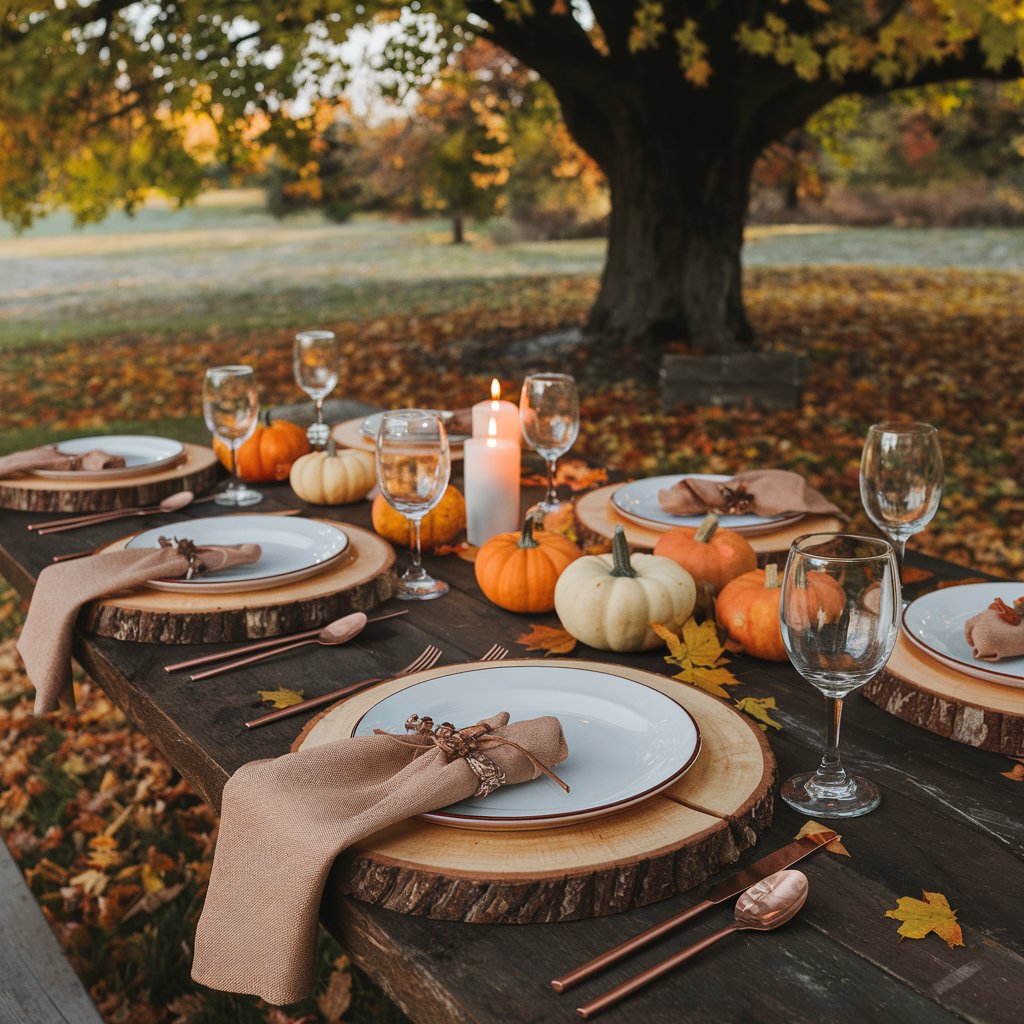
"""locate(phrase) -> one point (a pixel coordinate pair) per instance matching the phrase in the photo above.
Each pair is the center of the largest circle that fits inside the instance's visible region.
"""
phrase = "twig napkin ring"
(187, 549)
(465, 743)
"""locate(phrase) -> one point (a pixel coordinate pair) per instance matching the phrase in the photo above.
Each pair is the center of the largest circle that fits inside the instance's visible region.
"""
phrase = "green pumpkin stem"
(771, 576)
(707, 528)
(332, 448)
(620, 554)
(526, 538)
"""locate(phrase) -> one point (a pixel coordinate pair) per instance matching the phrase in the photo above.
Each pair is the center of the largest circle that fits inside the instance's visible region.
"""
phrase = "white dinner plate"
(290, 549)
(627, 741)
(638, 501)
(141, 454)
(935, 624)
(371, 425)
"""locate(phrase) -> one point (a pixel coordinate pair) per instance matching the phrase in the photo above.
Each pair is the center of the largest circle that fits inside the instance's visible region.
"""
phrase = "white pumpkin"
(610, 601)
(333, 477)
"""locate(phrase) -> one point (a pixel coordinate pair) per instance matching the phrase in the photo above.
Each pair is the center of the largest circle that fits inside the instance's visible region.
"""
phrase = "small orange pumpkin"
(815, 597)
(269, 453)
(707, 553)
(748, 608)
(441, 525)
(518, 571)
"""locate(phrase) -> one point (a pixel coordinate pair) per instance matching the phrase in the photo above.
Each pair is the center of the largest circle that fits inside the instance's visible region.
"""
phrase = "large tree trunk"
(673, 270)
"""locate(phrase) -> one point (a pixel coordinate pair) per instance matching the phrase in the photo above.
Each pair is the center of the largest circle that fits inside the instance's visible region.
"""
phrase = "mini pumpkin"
(333, 477)
(441, 525)
(518, 571)
(269, 454)
(610, 601)
(748, 609)
(709, 554)
(815, 599)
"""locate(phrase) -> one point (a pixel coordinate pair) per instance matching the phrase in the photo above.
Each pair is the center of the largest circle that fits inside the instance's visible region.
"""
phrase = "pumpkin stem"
(707, 528)
(620, 555)
(332, 448)
(526, 538)
(771, 576)
(264, 416)
(800, 575)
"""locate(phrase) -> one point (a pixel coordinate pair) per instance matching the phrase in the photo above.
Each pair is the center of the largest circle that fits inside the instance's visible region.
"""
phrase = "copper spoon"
(764, 906)
(172, 503)
(338, 632)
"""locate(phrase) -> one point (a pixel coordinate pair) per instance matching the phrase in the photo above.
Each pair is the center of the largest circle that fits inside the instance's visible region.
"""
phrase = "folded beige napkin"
(284, 821)
(758, 492)
(50, 458)
(62, 589)
(997, 632)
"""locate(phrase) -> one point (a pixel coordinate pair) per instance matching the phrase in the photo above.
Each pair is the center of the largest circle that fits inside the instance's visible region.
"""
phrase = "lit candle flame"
(495, 390)
(492, 432)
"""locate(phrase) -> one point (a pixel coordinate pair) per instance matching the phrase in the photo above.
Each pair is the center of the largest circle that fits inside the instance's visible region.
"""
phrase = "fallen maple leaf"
(932, 914)
(281, 698)
(812, 828)
(911, 575)
(1016, 773)
(466, 551)
(572, 473)
(549, 639)
(337, 997)
(758, 708)
(699, 655)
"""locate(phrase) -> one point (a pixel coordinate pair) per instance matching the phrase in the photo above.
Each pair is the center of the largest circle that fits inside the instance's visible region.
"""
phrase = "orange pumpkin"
(707, 553)
(815, 597)
(518, 571)
(269, 453)
(441, 525)
(748, 608)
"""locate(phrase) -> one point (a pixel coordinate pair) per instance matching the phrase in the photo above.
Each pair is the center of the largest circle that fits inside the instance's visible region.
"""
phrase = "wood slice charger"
(927, 694)
(597, 518)
(663, 846)
(362, 578)
(197, 471)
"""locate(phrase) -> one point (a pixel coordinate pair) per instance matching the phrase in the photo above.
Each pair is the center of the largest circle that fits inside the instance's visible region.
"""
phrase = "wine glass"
(413, 469)
(231, 410)
(839, 611)
(315, 359)
(901, 480)
(549, 415)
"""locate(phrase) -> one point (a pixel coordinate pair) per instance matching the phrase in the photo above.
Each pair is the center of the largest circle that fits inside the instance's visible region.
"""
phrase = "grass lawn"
(111, 329)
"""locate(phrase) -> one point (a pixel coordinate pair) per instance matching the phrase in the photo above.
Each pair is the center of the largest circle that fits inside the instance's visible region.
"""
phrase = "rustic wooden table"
(949, 822)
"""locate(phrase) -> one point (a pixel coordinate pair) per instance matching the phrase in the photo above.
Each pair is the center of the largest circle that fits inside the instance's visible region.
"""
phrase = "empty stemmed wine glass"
(413, 469)
(315, 359)
(901, 479)
(839, 611)
(231, 410)
(549, 415)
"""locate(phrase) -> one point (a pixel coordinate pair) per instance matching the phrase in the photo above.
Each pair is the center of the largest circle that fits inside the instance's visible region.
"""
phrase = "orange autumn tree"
(673, 99)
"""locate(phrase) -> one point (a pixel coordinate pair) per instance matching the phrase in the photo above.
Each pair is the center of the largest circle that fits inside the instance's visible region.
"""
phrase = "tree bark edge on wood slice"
(940, 700)
(198, 472)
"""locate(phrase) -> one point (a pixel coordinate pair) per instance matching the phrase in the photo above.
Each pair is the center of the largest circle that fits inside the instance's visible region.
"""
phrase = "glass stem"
(552, 497)
(831, 772)
(417, 554)
(234, 465)
(900, 544)
(319, 411)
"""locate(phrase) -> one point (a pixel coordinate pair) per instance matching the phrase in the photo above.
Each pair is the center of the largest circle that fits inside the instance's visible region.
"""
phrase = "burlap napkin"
(62, 589)
(50, 458)
(758, 492)
(998, 632)
(284, 821)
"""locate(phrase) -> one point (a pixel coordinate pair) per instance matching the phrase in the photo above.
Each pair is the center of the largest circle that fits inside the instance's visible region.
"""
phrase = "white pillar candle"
(491, 470)
(504, 414)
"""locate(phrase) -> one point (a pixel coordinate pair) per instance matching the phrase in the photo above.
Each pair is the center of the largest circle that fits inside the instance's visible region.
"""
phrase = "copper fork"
(427, 659)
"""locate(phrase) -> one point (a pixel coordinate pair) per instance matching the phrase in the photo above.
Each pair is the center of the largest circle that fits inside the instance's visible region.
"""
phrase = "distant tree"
(673, 99)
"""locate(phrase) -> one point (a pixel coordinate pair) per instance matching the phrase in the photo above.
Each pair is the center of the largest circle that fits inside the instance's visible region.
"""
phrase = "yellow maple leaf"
(699, 655)
(549, 639)
(281, 698)
(710, 680)
(702, 644)
(932, 914)
(812, 828)
(758, 708)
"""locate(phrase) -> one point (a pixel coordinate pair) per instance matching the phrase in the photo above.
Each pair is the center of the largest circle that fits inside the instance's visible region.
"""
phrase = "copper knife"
(731, 886)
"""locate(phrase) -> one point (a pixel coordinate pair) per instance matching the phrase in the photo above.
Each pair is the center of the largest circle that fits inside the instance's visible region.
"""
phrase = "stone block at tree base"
(766, 380)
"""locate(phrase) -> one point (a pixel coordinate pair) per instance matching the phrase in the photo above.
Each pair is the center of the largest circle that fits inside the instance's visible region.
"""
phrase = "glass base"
(806, 794)
(547, 507)
(424, 589)
(237, 495)
(317, 434)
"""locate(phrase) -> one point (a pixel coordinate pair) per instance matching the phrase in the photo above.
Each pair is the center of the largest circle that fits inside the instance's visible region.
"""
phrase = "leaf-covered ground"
(115, 846)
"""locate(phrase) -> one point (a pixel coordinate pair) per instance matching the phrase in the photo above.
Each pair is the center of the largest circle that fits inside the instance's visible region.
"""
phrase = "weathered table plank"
(949, 822)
